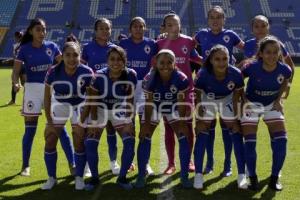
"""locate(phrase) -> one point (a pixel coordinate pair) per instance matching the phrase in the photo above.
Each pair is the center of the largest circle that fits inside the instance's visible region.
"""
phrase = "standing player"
(65, 89)
(94, 54)
(140, 51)
(219, 87)
(165, 88)
(37, 55)
(182, 46)
(207, 38)
(114, 86)
(261, 28)
(268, 78)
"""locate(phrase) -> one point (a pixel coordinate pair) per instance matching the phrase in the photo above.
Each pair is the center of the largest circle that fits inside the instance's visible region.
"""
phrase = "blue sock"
(50, 158)
(112, 144)
(66, 144)
(250, 153)
(143, 155)
(238, 146)
(199, 150)
(127, 154)
(30, 129)
(80, 161)
(278, 144)
(91, 150)
(227, 148)
(210, 148)
(184, 155)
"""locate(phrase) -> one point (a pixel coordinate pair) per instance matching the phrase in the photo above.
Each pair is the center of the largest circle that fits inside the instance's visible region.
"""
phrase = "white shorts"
(212, 107)
(139, 98)
(61, 112)
(156, 116)
(33, 100)
(252, 115)
(116, 117)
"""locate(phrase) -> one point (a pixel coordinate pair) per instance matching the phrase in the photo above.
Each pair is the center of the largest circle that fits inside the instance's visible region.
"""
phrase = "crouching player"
(165, 88)
(219, 87)
(65, 89)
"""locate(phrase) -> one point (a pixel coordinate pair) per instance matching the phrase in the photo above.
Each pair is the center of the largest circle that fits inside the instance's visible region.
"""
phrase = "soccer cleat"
(124, 183)
(191, 166)
(208, 171)
(72, 169)
(140, 182)
(149, 170)
(226, 173)
(242, 181)
(198, 181)
(92, 184)
(25, 171)
(49, 184)
(253, 183)
(170, 170)
(79, 183)
(275, 184)
(87, 172)
(115, 168)
(186, 183)
(10, 103)
(131, 168)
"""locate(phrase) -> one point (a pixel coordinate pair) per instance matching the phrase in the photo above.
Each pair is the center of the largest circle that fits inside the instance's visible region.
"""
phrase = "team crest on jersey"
(184, 49)
(48, 52)
(97, 66)
(226, 38)
(173, 89)
(207, 52)
(147, 49)
(280, 78)
(30, 105)
(230, 85)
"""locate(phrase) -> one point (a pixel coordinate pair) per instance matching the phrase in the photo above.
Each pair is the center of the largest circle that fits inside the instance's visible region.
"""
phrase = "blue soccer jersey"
(37, 60)
(165, 93)
(250, 48)
(207, 40)
(95, 55)
(69, 89)
(139, 55)
(215, 89)
(263, 87)
(113, 92)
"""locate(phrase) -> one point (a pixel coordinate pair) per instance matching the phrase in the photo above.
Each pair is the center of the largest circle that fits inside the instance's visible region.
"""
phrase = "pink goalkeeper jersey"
(182, 47)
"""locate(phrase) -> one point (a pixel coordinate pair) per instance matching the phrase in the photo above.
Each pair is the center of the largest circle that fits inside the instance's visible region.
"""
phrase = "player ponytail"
(28, 36)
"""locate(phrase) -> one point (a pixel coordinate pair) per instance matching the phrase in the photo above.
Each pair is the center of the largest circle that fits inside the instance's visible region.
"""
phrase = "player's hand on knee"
(278, 106)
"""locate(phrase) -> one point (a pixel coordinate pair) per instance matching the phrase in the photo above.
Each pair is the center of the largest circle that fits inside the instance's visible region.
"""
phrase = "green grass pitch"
(13, 186)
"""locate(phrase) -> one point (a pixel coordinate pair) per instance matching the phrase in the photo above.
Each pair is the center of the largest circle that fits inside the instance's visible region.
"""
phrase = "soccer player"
(94, 54)
(165, 89)
(182, 46)
(218, 88)
(268, 78)
(37, 55)
(65, 90)
(140, 51)
(207, 38)
(114, 86)
(16, 46)
(261, 28)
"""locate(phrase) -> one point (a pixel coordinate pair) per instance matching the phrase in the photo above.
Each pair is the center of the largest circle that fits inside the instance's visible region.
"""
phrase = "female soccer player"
(219, 87)
(65, 89)
(165, 88)
(37, 55)
(140, 51)
(207, 38)
(94, 54)
(268, 78)
(182, 46)
(261, 28)
(114, 86)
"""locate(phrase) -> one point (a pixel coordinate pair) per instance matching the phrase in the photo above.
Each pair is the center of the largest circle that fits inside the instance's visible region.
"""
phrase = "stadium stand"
(78, 16)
